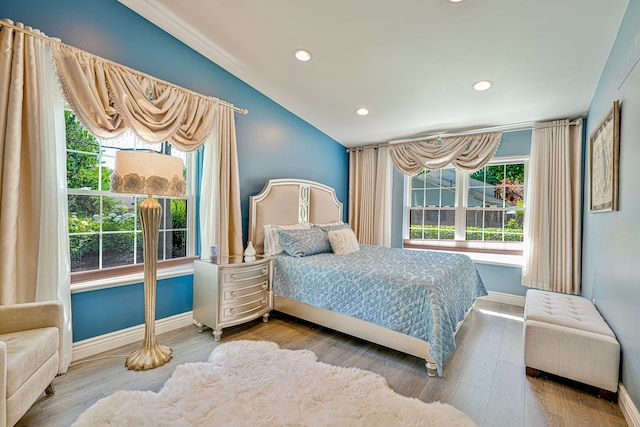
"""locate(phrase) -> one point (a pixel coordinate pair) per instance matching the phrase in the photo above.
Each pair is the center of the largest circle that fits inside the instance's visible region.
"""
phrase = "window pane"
(447, 225)
(117, 249)
(119, 215)
(415, 223)
(432, 197)
(493, 225)
(82, 170)
(85, 253)
(178, 245)
(84, 213)
(177, 214)
(494, 174)
(417, 182)
(475, 224)
(431, 221)
(417, 198)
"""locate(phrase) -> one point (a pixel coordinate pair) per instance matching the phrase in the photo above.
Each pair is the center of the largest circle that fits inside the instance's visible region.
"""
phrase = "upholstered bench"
(565, 335)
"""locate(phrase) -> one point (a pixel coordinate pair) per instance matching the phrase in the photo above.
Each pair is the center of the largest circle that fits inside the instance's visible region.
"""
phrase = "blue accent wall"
(611, 241)
(272, 142)
(106, 310)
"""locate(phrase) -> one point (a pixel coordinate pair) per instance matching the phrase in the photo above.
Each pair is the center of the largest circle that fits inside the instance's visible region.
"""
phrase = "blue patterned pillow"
(331, 227)
(299, 243)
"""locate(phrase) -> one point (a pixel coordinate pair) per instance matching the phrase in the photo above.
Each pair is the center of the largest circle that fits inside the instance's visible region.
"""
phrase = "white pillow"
(272, 239)
(343, 241)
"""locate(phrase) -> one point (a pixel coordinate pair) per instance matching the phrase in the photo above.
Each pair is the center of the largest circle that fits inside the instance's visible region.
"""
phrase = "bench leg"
(532, 372)
(49, 391)
(607, 395)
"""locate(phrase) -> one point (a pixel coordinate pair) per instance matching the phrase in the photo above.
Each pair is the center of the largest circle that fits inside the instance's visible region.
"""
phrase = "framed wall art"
(604, 148)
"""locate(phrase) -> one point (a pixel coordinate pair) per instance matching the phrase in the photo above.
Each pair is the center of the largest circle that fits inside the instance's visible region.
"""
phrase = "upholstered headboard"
(291, 201)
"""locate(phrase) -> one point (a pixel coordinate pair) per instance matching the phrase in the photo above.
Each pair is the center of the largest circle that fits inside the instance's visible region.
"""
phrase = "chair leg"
(50, 390)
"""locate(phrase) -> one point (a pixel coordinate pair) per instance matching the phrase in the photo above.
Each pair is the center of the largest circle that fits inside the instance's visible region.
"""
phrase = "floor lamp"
(147, 172)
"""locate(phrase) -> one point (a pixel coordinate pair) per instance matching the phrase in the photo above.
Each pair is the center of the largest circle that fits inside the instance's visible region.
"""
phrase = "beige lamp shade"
(147, 172)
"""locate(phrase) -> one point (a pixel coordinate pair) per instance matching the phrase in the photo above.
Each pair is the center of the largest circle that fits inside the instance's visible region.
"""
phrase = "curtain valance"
(467, 153)
(108, 98)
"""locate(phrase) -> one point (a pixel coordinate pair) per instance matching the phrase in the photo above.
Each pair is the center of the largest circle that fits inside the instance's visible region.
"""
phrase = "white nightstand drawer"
(248, 308)
(231, 294)
(234, 274)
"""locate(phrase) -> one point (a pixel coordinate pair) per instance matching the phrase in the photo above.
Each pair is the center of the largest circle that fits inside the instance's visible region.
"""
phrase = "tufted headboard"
(291, 201)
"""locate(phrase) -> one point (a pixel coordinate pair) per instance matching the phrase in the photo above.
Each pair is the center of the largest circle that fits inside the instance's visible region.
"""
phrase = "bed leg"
(432, 369)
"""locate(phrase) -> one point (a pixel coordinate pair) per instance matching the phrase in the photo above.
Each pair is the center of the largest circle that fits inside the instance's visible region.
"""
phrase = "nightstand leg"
(265, 317)
(217, 333)
(200, 326)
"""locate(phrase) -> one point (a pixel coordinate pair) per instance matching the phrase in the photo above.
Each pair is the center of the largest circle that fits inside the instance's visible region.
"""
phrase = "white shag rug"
(255, 383)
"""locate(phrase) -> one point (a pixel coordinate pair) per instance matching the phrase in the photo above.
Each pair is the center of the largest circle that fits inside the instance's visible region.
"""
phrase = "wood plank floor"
(485, 376)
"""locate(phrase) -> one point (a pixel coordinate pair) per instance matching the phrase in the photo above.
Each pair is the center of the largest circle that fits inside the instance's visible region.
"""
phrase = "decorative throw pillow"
(343, 241)
(299, 243)
(339, 225)
(272, 239)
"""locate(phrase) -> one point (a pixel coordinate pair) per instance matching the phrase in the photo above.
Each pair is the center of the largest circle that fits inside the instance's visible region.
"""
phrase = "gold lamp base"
(148, 356)
(151, 354)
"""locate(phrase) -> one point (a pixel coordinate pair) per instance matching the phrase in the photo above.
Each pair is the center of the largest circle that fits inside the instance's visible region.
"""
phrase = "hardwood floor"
(485, 377)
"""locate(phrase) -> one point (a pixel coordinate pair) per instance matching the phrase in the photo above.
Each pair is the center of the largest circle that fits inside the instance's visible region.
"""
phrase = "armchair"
(30, 348)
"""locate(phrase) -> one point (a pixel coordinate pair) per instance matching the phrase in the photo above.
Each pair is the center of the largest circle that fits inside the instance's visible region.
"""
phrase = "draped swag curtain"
(109, 98)
(370, 178)
(553, 200)
(34, 249)
(467, 153)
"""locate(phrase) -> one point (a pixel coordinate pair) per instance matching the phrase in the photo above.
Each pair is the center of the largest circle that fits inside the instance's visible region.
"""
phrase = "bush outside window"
(104, 227)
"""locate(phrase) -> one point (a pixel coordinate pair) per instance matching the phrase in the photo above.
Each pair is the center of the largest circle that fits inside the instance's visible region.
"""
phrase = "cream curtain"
(34, 250)
(220, 216)
(553, 210)
(467, 153)
(370, 178)
(109, 98)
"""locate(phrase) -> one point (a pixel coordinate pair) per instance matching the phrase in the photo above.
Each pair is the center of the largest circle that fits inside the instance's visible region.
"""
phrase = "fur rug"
(254, 383)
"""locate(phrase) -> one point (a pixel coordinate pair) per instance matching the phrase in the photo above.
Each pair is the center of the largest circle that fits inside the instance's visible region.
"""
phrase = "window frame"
(80, 279)
(459, 243)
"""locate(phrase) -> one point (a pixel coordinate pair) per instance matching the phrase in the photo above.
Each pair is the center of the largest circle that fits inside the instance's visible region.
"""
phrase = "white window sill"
(130, 279)
(497, 259)
(496, 254)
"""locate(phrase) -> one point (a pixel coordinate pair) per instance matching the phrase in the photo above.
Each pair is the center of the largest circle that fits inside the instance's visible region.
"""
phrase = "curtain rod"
(140, 73)
(505, 128)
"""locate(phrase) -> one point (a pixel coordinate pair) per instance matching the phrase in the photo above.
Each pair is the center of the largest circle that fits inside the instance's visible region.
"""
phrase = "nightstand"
(230, 292)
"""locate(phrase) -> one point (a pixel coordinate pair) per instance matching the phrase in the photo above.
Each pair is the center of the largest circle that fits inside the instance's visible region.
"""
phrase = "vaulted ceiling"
(411, 63)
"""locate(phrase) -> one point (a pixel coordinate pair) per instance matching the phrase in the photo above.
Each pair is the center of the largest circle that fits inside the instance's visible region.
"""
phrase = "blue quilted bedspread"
(419, 293)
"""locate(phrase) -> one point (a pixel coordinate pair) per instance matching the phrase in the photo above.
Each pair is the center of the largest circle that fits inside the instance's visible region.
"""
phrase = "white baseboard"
(629, 410)
(505, 298)
(92, 346)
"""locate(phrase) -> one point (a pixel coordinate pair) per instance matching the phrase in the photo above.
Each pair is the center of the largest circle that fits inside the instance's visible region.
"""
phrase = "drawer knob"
(234, 276)
(264, 286)
(232, 311)
(264, 270)
(264, 301)
(232, 294)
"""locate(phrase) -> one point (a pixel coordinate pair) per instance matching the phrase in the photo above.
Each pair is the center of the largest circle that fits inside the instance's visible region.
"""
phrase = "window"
(486, 207)
(104, 227)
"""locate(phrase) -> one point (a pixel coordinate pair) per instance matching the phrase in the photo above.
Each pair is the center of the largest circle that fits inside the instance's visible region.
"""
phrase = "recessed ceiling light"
(302, 55)
(362, 111)
(482, 85)
(456, 1)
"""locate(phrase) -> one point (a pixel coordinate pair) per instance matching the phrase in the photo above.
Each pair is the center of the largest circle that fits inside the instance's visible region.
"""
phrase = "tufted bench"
(565, 335)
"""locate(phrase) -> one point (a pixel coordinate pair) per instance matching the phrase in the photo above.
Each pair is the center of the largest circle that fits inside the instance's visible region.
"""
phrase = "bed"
(408, 300)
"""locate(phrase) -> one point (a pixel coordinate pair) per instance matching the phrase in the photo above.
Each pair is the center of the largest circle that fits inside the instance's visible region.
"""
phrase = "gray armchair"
(30, 340)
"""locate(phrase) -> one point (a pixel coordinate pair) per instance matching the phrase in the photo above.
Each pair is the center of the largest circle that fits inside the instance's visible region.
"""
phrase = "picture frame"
(604, 150)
